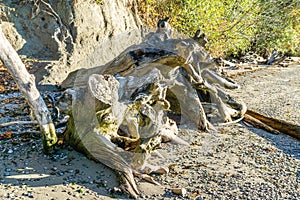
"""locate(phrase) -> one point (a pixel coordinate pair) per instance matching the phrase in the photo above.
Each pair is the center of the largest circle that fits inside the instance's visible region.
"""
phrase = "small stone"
(179, 191)
(10, 151)
(116, 190)
(12, 195)
(6, 174)
(8, 169)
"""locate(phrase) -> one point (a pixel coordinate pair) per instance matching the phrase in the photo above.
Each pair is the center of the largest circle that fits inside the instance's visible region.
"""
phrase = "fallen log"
(258, 124)
(26, 85)
(277, 124)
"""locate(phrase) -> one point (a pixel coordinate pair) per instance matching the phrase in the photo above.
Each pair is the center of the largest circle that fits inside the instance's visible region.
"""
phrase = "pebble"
(179, 191)
(8, 169)
(6, 174)
(10, 195)
(29, 195)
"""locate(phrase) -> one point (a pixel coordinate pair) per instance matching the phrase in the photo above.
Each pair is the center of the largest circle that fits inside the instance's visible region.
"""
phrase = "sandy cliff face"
(69, 34)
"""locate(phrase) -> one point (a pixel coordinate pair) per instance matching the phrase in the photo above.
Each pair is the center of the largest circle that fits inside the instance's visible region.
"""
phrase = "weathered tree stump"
(120, 111)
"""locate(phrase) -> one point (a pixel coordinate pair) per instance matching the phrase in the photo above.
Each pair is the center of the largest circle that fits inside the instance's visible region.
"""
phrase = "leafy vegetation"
(100, 2)
(233, 27)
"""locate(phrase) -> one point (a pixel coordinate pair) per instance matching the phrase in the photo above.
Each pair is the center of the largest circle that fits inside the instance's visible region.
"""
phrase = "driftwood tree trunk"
(121, 112)
(26, 84)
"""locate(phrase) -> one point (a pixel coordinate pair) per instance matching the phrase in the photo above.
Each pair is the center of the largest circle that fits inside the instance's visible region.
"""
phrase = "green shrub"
(100, 2)
(232, 26)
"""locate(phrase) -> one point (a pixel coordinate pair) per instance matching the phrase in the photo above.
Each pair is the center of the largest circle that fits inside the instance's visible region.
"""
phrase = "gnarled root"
(212, 77)
(128, 184)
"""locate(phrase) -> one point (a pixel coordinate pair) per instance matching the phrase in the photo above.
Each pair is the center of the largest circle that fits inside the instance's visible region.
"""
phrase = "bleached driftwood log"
(120, 111)
(26, 84)
(276, 124)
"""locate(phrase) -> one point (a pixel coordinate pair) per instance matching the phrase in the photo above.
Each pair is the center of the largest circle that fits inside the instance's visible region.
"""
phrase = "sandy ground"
(274, 92)
(237, 162)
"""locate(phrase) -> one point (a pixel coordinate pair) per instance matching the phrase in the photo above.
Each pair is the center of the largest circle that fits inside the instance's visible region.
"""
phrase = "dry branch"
(17, 123)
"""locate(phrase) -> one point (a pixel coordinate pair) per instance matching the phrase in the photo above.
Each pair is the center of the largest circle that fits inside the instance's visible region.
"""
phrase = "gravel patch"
(274, 92)
(236, 162)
